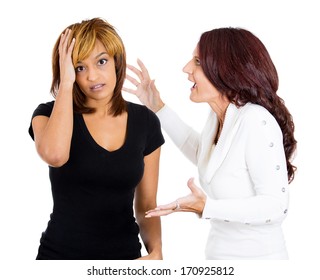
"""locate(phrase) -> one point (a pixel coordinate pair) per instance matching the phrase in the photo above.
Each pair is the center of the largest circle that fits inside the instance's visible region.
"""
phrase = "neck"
(220, 109)
(101, 108)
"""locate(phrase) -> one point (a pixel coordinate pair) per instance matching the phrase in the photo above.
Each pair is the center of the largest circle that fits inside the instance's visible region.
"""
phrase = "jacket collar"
(212, 156)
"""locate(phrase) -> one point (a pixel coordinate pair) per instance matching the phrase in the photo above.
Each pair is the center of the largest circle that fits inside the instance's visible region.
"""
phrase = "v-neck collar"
(212, 156)
(93, 142)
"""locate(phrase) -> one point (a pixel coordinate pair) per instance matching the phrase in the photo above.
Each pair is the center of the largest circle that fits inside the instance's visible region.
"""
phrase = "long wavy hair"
(86, 33)
(238, 64)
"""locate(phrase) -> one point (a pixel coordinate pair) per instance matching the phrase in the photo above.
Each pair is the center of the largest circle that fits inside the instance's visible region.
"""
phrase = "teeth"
(195, 85)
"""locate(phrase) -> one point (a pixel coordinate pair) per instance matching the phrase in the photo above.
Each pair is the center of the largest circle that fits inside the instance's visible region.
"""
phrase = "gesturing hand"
(145, 90)
(194, 202)
(67, 72)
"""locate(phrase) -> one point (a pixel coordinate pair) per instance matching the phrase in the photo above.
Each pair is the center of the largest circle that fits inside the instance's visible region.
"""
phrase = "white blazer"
(244, 177)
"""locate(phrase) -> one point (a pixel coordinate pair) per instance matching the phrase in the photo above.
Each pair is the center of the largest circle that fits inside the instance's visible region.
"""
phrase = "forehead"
(96, 50)
(195, 51)
(99, 47)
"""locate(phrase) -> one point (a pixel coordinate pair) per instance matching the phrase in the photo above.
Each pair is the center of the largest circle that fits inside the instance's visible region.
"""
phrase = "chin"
(194, 98)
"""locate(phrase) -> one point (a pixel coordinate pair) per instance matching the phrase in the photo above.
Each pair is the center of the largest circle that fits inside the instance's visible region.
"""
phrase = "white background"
(163, 34)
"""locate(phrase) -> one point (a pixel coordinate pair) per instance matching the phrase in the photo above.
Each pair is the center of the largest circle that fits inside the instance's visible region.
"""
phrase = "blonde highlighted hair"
(86, 34)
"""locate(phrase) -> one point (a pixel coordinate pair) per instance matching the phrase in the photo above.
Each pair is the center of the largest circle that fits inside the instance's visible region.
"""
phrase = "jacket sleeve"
(266, 165)
(183, 136)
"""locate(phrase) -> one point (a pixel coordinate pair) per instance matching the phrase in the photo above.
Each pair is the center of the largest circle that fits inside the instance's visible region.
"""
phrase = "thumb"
(192, 186)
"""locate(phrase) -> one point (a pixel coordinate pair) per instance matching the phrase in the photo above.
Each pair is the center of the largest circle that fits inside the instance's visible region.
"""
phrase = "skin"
(202, 91)
(96, 77)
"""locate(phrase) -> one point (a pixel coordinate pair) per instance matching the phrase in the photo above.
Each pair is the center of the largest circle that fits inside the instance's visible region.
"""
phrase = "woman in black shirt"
(102, 151)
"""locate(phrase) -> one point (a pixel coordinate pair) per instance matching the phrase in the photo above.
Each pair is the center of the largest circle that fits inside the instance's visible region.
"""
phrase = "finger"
(169, 206)
(132, 80)
(159, 213)
(129, 90)
(197, 191)
(136, 71)
(192, 186)
(144, 69)
(64, 37)
(63, 45)
(70, 49)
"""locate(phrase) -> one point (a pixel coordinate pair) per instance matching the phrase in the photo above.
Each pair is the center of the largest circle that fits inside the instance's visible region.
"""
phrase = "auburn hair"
(238, 64)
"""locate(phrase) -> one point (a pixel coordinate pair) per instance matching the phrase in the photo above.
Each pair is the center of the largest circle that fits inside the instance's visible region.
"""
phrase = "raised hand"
(194, 202)
(67, 72)
(145, 90)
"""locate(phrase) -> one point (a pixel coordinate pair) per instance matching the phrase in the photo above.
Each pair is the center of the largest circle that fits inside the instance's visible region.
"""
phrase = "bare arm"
(53, 135)
(145, 199)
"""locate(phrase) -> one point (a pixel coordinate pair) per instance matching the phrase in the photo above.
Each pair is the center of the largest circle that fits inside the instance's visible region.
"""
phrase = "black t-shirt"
(93, 192)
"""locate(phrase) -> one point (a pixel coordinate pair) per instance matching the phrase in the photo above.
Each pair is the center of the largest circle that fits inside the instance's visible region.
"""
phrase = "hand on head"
(67, 73)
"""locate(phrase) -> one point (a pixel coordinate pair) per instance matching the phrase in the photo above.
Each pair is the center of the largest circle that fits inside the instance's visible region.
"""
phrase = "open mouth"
(194, 86)
(95, 87)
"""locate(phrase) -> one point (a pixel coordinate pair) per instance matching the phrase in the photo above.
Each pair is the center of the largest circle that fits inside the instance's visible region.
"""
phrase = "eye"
(79, 69)
(197, 61)
(102, 61)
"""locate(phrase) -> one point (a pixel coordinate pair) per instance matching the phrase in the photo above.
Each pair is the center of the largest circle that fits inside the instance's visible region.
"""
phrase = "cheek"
(110, 75)
(204, 93)
(79, 80)
(203, 87)
(80, 84)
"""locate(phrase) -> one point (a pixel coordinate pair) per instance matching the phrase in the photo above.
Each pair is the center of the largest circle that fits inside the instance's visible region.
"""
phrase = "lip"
(96, 87)
(194, 86)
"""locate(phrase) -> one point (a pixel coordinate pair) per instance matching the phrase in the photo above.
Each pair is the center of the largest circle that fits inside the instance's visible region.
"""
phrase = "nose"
(91, 74)
(187, 68)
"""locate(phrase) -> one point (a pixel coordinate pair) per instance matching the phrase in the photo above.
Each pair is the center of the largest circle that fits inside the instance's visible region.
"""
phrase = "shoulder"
(254, 109)
(141, 112)
(257, 119)
(137, 108)
(255, 114)
(44, 109)
(48, 104)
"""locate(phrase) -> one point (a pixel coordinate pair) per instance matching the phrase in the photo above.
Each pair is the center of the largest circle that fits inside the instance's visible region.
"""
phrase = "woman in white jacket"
(245, 150)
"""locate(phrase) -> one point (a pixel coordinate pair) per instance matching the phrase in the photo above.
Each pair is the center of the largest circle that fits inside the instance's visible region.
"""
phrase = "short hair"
(86, 34)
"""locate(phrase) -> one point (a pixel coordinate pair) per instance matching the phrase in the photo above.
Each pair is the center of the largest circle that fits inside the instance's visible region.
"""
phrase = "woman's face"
(202, 89)
(96, 75)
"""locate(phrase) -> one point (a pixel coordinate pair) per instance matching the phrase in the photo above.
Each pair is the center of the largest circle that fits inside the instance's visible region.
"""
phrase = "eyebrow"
(101, 54)
(97, 56)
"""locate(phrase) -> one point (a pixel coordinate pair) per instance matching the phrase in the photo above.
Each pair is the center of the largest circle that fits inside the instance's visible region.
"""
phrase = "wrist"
(158, 107)
(156, 254)
(202, 203)
(66, 85)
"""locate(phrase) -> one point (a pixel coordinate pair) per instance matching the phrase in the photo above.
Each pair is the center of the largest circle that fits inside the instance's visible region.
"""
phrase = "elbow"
(281, 206)
(277, 211)
(54, 158)
(57, 161)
